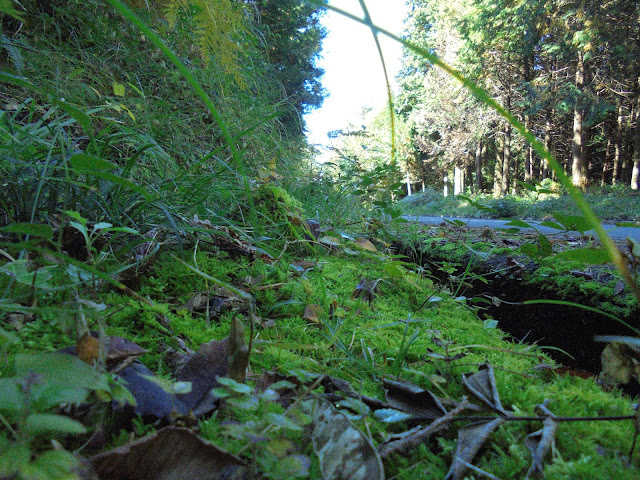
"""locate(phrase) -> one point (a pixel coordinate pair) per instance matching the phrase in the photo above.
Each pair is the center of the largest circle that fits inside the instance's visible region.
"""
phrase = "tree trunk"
(446, 183)
(617, 148)
(478, 162)
(506, 157)
(607, 161)
(528, 154)
(544, 167)
(408, 180)
(458, 177)
(497, 171)
(577, 168)
(635, 174)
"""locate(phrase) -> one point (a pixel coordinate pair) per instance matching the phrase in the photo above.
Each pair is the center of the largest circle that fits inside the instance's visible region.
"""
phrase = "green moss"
(363, 341)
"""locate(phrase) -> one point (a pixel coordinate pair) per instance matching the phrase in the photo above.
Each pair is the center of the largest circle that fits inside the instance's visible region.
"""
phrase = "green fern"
(219, 26)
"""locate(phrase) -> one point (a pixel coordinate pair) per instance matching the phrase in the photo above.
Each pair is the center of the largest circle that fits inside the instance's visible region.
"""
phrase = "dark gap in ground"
(563, 327)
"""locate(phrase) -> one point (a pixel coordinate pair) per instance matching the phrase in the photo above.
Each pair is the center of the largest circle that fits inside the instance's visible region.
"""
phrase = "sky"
(353, 73)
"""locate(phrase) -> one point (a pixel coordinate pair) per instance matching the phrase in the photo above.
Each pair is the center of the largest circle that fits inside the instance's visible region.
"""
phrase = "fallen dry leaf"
(343, 450)
(539, 443)
(470, 439)
(413, 399)
(482, 385)
(170, 454)
(88, 348)
(366, 289)
(366, 244)
(313, 313)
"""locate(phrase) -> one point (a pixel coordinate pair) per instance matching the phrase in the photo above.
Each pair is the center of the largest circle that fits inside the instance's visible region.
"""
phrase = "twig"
(541, 419)
(412, 438)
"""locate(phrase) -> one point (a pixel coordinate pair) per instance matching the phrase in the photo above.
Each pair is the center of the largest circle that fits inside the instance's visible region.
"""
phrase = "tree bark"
(497, 171)
(635, 173)
(458, 179)
(528, 155)
(506, 158)
(478, 162)
(617, 148)
(577, 168)
(544, 167)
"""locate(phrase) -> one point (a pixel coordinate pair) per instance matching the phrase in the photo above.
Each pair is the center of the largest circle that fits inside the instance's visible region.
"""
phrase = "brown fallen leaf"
(482, 385)
(366, 289)
(88, 348)
(366, 244)
(120, 352)
(470, 439)
(313, 313)
(539, 443)
(170, 454)
(413, 399)
(343, 450)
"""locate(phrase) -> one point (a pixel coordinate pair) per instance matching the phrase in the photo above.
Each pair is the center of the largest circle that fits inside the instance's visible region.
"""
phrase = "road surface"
(616, 233)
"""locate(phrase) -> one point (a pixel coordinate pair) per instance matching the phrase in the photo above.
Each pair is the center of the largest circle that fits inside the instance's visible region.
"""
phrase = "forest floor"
(355, 359)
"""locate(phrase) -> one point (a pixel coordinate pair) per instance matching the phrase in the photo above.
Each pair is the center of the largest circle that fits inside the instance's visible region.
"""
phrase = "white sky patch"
(353, 73)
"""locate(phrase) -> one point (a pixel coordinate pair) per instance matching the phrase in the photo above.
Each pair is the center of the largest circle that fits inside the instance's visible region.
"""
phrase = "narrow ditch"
(564, 327)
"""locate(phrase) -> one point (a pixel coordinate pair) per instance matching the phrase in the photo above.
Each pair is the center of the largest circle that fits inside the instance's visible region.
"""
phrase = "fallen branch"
(405, 441)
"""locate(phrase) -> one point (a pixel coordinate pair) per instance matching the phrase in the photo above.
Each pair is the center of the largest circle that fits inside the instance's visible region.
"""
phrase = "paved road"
(617, 233)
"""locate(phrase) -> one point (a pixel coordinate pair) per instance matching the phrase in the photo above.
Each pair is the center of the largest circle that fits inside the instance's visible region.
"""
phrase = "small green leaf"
(48, 422)
(519, 223)
(244, 403)
(11, 397)
(54, 464)
(118, 90)
(234, 386)
(83, 162)
(573, 222)
(527, 186)
(281, 421)
(588, 255)
(34, 229)
(21, 271)
(490, 323)
(550, 224)
(58, 368)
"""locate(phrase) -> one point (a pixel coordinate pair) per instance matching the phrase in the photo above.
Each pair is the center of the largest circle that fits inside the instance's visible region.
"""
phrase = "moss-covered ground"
(401, 326)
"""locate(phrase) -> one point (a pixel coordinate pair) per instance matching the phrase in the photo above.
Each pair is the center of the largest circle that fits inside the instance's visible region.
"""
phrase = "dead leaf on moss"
(170, 454)
(413, 399)
(482, 385)
(313, 313)
(366, 289)
(343, 450)
(120, 352)
(366, 244)
(539, 443)
(470, 439)
(331, 242)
